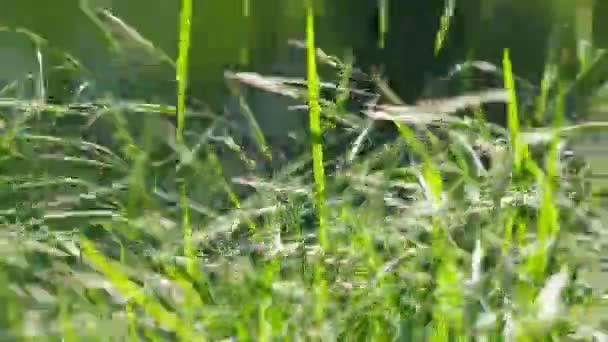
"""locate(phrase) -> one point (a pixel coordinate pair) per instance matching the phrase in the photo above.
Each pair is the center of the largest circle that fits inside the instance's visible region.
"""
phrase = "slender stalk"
(182, 65)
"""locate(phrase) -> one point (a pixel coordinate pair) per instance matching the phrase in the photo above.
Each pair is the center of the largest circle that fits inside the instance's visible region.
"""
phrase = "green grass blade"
(320, 290)
(315, 122)
(189, 250)
(448, 13)
(182, 65)
(513, 115)
(383, 22)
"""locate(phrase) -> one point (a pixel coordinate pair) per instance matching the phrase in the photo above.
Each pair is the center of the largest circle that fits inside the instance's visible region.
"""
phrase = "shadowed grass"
(382, 22)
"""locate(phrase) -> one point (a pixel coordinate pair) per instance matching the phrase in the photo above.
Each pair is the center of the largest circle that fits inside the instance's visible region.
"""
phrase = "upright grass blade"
(317, 157)
(189, 251)
(182, 83)
(547, 225)
(519, 149)
(315, 121)
(448, 13)
(383, 22)
(182, 65)
(584, 31)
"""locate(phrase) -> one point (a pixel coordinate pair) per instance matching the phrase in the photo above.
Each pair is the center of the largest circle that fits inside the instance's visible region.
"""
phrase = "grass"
(453, 230)
(182, 65)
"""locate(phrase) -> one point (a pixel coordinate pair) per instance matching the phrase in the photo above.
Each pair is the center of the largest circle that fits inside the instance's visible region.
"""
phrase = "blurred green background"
(253, 34)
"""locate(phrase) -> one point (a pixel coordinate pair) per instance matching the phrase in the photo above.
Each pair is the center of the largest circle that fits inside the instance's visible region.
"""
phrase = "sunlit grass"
(315, 122)
(382, 22)
(444, 27)
(182, 65)
(415, 239)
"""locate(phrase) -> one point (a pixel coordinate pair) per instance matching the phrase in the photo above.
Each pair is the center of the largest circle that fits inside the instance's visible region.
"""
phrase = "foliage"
(432, 225)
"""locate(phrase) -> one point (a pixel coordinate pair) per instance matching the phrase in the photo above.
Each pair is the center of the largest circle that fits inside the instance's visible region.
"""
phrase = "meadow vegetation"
(122, 220)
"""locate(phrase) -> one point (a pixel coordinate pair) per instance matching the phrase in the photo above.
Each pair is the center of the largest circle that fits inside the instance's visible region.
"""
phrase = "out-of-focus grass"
(455, 229)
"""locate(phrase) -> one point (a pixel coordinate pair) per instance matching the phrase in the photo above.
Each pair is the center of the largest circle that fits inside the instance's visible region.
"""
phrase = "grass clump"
(454, 228)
